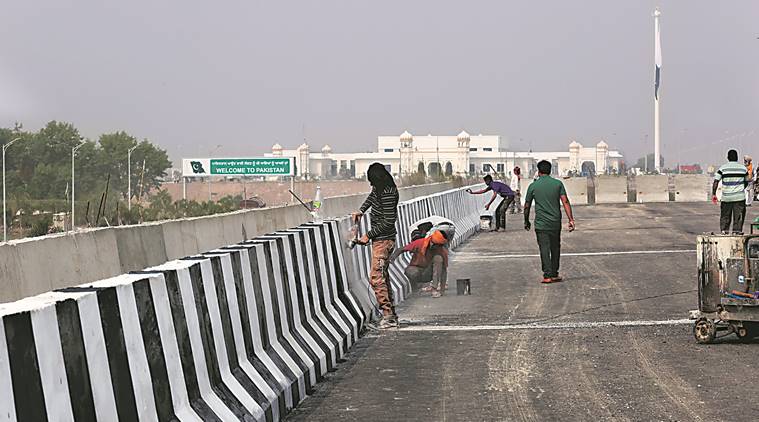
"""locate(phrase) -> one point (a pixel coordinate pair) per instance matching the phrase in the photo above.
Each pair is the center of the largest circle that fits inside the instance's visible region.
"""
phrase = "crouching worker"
(429, 261)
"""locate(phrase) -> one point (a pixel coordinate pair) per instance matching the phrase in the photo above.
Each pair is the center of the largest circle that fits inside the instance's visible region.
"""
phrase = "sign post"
(239, 167)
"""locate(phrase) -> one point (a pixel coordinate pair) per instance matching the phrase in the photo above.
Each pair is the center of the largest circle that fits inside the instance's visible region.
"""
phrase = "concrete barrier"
(242, 332)
(611, 189)
(692, 187)
(652, 188)
(577, 190)
(33, 266)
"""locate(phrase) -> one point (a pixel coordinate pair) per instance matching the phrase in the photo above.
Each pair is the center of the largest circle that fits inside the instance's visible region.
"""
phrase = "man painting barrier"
(734, 178)
(548, 193)
(499, 189)
(429, 261)
(383, 201)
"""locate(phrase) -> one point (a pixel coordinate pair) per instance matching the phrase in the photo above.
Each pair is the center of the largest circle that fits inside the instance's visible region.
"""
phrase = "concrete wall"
(652, 188)
(35, 265)
(242, 332)
(692, 187)
(611, 189)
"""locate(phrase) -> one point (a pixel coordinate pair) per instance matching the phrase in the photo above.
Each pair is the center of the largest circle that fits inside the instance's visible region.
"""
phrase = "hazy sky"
(193, 74)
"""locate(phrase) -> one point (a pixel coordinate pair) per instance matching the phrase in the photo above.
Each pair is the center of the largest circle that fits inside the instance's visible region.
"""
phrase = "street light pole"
(5, 216)
(209, 172)
(73, 154)
(129, 177)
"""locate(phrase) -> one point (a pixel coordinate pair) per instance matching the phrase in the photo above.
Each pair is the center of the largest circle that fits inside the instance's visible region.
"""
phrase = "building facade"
(462, 155)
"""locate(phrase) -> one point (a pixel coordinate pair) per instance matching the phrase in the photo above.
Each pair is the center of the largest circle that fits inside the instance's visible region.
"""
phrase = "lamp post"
(73, 154)
(209, 171)
(5, 217)
(129, 177)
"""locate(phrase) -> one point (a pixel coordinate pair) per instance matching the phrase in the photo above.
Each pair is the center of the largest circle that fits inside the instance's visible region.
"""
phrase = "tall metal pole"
(209, 172)
(5, 215)
(73, 154)
(657, 61)
(129, 177)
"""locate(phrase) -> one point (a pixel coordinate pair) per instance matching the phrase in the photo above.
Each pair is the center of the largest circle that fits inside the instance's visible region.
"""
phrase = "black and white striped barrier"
(243, 332)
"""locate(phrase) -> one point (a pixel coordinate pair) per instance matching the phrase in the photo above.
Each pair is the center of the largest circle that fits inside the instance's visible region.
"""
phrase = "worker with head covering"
(750, 187)
(516, 186)
(383, 202)
(429, 261)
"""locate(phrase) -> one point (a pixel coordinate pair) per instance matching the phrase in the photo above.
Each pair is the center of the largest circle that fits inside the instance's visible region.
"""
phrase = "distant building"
(462, 154)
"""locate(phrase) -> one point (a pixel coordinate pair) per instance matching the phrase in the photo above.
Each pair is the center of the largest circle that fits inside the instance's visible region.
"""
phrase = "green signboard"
(267, 166)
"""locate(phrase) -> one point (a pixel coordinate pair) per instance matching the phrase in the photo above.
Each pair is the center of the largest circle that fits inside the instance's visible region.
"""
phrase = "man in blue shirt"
(499, 189)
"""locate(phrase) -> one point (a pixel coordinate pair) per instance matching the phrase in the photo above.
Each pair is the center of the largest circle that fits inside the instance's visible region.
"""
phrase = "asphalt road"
(519, 350)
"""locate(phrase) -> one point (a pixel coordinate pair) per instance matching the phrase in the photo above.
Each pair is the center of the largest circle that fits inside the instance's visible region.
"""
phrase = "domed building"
(463, 154)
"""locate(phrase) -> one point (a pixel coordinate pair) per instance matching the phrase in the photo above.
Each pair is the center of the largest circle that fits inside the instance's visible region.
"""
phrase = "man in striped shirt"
(734, 177)
(383, 202)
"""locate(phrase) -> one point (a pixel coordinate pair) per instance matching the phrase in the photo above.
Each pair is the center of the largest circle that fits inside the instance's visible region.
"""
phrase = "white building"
(462, 154)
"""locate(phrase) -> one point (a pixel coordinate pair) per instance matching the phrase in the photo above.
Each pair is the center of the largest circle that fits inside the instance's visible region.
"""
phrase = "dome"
(463, 135)
(406, 136)
(602, 144)
(575, 144)
(276, 147)
(303, 147)
(326, 149)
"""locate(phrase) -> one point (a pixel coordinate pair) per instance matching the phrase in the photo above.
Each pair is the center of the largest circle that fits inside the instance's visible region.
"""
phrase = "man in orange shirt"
(429, 261)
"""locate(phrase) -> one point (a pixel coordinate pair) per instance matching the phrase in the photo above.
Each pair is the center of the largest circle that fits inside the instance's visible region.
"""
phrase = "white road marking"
(478, 256)
(547, 326)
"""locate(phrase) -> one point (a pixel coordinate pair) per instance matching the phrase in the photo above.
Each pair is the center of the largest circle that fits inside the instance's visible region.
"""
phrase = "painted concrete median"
(241, 332)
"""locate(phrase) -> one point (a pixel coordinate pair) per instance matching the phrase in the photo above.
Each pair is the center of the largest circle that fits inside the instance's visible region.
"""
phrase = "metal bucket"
(463, 286)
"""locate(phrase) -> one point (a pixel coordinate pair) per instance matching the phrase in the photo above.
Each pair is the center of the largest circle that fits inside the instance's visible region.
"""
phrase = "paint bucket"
(486, 222)
(463, 286)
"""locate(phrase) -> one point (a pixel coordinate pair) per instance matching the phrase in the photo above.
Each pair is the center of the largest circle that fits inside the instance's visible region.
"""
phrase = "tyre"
(704, 331)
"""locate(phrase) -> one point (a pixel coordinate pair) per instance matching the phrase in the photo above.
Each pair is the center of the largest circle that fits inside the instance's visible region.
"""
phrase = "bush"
(41, 225)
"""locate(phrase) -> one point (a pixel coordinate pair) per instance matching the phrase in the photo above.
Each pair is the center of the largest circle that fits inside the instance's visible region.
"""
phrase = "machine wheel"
(749, 331)
(742, 332)
(704, 330)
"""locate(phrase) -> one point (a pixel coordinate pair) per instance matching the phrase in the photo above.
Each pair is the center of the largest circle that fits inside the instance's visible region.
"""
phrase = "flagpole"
(657, 60)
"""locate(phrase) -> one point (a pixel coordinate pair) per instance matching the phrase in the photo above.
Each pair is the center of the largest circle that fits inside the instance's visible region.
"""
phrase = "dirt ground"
(518, 350)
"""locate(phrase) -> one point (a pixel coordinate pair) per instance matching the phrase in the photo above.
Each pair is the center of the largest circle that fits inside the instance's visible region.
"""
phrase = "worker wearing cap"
(429, 261)
(750, 188)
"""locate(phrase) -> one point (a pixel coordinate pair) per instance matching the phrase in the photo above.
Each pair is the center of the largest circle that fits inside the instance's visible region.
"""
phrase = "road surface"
(518, 350)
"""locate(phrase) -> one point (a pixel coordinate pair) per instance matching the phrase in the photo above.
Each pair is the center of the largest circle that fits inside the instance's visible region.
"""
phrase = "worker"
(547, 193)
(750, 187)
(516, 185)
(429, 262)
(499, 189)
(383, 202)
(735, 178)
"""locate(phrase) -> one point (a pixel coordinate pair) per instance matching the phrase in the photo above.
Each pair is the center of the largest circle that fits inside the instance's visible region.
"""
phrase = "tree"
(40, 165)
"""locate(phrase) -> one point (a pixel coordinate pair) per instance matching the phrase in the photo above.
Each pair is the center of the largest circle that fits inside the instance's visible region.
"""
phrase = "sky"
(190, 75)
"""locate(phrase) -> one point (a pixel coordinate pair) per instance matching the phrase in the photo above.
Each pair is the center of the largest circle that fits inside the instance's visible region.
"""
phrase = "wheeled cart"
(728, 287)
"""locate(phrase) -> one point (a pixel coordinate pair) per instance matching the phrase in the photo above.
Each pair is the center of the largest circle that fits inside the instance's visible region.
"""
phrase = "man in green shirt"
(548, 193)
